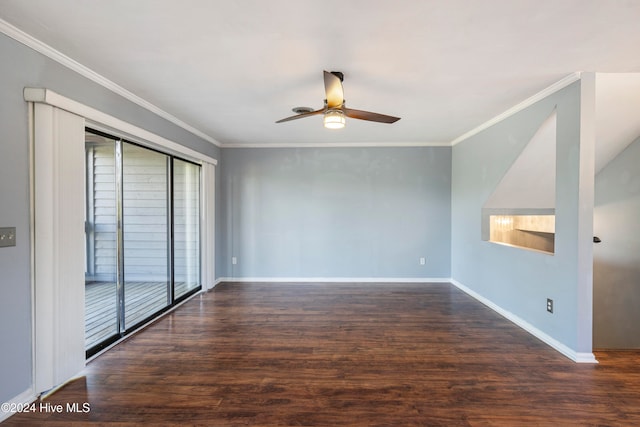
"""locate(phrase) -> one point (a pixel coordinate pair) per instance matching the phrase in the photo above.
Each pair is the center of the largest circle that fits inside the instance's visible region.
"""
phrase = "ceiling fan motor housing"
(339, 75)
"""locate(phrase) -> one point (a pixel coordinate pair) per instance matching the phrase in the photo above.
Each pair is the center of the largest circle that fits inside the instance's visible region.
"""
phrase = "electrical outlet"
(423, 260)
(7, 236)
(549, 305)
(234, 260)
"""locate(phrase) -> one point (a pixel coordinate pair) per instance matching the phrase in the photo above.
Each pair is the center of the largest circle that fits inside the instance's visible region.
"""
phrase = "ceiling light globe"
(334, 119)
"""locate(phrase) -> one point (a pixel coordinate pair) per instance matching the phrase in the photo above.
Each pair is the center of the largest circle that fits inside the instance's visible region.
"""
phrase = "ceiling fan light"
(334, 119)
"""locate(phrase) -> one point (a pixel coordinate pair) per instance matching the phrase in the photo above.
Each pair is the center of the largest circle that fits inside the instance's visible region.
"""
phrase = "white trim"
(547, 339)
(566, 81)
(32, 239)
(48, 51)
(583, 219)
(338, 145)
(26, 397)
(584, 357)
(208, 224)
(310, 280)
(49, 97)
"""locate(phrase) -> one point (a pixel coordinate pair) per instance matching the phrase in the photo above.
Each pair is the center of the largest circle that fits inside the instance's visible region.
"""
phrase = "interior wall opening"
(521, 210)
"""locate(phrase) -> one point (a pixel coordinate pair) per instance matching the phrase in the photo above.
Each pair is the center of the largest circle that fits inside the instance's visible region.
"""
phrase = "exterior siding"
(146, 227)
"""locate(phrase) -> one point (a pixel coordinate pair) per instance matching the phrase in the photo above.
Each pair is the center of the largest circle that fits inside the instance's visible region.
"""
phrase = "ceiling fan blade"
(301, 115)
(367, 115)
(333, 90)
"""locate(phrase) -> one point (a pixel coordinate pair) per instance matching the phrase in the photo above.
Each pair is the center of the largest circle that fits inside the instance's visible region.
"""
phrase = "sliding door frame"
(123, 328)
(49, 224)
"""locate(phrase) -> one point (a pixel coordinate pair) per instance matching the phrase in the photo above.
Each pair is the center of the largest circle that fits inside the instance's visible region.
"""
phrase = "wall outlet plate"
(7, 237)
(549, 305)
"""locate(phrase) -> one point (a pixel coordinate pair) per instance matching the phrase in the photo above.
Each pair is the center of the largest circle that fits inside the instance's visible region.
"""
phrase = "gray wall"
(520, 280)
(21, 67)
(616, 268)
(336, 212)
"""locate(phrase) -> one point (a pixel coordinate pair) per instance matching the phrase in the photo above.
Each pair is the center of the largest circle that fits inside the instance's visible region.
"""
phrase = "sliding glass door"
(186, 227)
(143, 236)
(146, 232)
(101, 226)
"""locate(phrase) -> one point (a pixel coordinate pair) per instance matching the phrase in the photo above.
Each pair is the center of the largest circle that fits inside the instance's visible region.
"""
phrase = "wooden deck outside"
(141, 300)
(343, 354)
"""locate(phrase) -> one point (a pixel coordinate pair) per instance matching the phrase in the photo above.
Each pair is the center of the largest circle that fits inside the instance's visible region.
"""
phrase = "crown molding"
(560, 84)
(48, 51)
(37, 45)
(338, 145)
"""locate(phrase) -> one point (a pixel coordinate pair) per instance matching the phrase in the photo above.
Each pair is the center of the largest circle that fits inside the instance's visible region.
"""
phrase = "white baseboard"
(26, 397)
(310, 280)
(577, 357)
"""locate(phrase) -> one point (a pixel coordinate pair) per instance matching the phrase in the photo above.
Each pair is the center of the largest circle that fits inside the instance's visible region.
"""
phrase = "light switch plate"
(7, 237)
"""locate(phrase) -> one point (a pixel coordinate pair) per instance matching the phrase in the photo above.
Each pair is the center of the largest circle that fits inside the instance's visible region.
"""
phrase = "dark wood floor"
(142, 299)
(333, 354)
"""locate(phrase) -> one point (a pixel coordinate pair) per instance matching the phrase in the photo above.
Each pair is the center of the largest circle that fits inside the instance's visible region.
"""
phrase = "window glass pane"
(101, 315)
(146, 232)
(186, 207)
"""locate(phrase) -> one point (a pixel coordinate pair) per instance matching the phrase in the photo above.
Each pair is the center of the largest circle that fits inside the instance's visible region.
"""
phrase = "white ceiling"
(232, 68)
(617, 115)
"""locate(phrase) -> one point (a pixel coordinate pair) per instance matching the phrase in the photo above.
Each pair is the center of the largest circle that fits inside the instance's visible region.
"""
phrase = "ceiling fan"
(335, 111)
